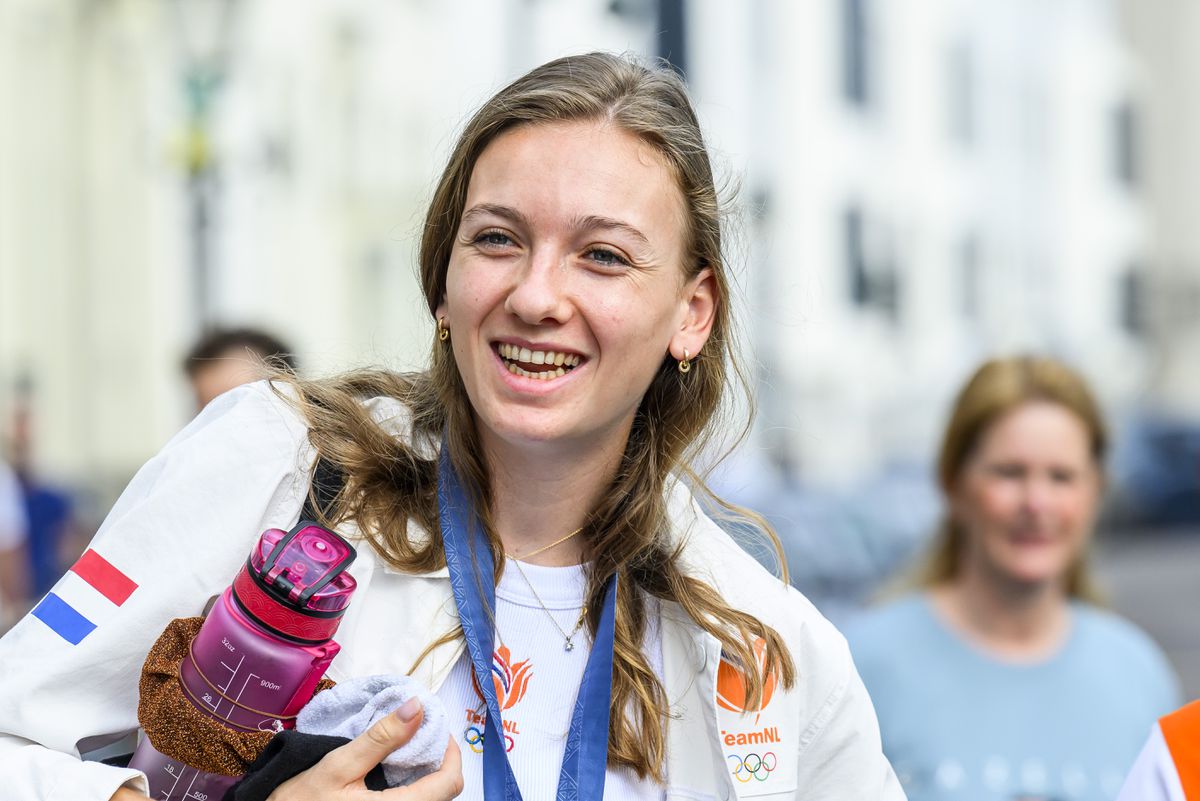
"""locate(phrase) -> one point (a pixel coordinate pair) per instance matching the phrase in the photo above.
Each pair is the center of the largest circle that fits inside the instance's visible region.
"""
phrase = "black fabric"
(327, 482)
(288, 754)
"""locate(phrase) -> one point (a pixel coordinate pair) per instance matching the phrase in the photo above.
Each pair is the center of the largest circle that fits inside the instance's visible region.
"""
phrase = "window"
(1125, 145)
(1132, 300)
(969, 275)
(871, 270)
(960, 94)
(855, 55)
(856, 260)
(672, 34)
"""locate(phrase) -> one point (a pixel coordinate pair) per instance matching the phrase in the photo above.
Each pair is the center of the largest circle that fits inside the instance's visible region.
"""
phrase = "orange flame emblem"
(731, 681)
(511, 679)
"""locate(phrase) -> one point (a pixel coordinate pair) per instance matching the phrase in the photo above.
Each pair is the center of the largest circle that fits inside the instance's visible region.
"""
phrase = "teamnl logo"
(511, 680)
(732, 695)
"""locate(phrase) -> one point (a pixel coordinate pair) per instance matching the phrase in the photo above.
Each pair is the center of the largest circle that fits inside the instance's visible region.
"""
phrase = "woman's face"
(565, 288)
(1027, 497)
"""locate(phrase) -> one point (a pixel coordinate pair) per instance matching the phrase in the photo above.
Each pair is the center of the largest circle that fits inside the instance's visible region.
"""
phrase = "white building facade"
(938, 181)
(929, 182)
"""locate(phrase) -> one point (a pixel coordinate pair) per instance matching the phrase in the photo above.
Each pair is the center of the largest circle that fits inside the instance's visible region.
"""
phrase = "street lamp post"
(203, 35)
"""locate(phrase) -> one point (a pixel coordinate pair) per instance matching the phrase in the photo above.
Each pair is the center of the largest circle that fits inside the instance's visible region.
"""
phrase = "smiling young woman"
(1003, 678)
(572, 263)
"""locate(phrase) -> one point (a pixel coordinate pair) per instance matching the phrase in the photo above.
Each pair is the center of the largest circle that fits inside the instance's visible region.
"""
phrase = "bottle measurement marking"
(183, 771)
(232, 673)
(215, 703)
(177, 776)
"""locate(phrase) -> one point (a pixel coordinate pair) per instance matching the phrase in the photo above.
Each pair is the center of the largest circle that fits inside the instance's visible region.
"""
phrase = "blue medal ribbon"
(469, 561)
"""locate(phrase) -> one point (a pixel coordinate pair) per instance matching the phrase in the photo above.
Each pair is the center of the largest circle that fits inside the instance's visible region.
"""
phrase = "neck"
(541, 494)
(1013, 620)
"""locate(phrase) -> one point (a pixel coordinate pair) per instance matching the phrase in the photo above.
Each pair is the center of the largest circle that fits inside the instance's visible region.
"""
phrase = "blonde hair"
(388, 482)
(998, 387)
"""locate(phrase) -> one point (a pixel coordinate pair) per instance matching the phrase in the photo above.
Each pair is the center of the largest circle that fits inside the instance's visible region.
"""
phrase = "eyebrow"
(506, 212)
(592, 222)
(585, 223)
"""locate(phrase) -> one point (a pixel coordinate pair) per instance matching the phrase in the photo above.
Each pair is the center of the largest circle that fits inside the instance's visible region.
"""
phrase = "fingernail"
(409, 709)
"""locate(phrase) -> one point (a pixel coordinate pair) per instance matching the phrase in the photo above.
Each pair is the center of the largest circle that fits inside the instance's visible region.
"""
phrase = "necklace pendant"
(568, 645)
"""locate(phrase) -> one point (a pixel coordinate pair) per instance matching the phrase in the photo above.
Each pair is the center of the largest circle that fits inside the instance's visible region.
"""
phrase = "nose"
(538, 295)
(1039, 495)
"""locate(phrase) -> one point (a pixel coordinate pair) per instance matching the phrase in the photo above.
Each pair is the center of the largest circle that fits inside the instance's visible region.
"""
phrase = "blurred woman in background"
(1002, 677)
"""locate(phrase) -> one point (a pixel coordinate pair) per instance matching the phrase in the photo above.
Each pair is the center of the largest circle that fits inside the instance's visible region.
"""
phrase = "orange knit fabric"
(1181, 730)
(179, 730)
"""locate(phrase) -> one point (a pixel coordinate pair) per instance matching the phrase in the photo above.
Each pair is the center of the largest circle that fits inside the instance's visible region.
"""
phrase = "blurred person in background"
(1001, 677)
(54, 539)
(225, 358)
(13, 573)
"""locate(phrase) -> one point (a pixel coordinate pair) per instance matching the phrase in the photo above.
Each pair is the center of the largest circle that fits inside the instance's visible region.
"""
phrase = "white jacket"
(187, 522)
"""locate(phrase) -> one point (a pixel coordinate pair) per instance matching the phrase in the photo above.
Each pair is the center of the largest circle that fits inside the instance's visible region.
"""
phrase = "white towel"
(353, 706)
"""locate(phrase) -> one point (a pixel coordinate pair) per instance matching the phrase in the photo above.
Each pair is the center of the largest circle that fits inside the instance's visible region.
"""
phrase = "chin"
(1034, 572)
(531, 429)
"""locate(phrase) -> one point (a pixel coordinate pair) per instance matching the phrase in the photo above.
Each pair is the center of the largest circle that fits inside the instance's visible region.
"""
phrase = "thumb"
(355, 759)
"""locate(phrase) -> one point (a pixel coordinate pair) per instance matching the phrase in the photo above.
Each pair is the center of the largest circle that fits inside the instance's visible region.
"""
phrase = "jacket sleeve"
(841, 756)
(1153, 776)
(174, 539)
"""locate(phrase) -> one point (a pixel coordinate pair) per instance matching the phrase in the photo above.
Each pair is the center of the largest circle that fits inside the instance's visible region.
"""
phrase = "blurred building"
(933, 181)
(165, 165)
(1165, 121)
(926, 182)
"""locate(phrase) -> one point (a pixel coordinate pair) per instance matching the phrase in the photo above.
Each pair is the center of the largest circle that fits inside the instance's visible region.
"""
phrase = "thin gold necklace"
(568, 637)
(544, 548)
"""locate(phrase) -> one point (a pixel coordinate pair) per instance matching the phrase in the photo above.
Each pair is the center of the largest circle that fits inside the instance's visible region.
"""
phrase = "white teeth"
(513, 353)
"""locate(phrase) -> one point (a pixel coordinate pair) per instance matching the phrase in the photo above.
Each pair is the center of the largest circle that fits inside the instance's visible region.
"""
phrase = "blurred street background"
(921, 184)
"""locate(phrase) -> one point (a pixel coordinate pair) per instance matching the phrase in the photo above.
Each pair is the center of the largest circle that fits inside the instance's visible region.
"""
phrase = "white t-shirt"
(537, 681)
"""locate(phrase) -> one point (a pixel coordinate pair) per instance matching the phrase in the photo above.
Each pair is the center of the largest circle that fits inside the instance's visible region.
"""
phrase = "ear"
(440, 311)
(698, 305)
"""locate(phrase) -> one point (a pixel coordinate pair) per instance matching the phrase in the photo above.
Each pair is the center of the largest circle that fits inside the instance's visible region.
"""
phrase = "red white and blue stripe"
(90, 591)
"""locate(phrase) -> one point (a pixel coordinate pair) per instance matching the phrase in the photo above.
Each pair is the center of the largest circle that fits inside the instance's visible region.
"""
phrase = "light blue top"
(960, 724)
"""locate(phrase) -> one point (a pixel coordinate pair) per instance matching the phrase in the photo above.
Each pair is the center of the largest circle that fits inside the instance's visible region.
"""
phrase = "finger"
(355, 759)
(443, 784)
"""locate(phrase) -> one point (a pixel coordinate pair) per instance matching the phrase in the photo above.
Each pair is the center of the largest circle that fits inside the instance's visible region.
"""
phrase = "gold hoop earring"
(685, 364)
(443, 331)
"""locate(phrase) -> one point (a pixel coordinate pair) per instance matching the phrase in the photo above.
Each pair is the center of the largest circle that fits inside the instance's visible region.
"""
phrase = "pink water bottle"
(261, 651)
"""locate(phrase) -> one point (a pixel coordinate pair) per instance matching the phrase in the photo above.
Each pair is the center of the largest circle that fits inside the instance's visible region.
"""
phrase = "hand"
(339, 775)
(126, 794)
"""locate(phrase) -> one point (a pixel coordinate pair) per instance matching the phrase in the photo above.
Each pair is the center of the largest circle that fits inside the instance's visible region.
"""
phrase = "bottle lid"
(295, 584)
(306, 566)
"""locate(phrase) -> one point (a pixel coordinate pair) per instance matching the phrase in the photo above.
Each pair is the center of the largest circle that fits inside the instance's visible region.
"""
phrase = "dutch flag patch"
(90, 590)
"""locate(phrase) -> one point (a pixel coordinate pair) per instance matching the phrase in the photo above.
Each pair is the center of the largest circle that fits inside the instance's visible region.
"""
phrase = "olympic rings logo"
(753, 766)
(473, 736)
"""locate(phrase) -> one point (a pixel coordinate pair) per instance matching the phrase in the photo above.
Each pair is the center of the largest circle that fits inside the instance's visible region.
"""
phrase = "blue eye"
(493, 239)
(606, 258)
